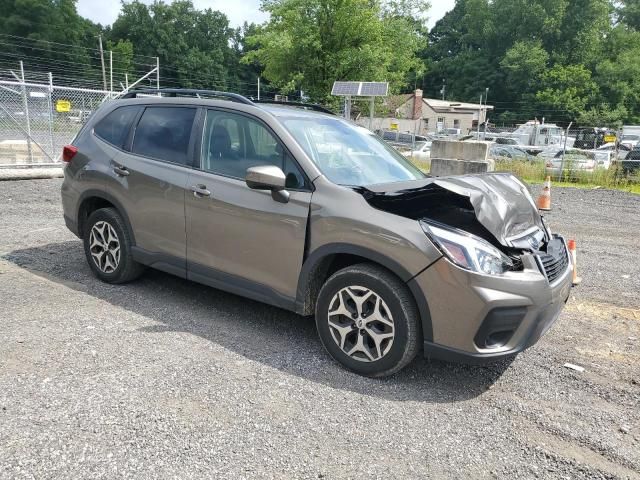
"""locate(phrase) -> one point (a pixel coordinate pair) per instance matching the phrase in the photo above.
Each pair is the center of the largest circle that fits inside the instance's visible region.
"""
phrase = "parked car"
(573, 162)
(421, 152)
(308, 212)
(630, 135)
(509, 152)
(506, 141)
(622, 150)
(631, 164)
(592, 138)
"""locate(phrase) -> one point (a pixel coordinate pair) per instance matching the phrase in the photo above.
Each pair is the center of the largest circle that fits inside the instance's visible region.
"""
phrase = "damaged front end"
(482, 223)
(506, 278)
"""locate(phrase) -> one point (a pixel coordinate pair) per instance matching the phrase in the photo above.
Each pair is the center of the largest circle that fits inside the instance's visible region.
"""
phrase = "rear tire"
(107, 246)
(368, 321)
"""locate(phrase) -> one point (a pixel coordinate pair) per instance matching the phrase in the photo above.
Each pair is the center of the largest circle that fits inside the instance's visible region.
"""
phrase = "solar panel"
(360, 89)
(374, 89)
(345, 88)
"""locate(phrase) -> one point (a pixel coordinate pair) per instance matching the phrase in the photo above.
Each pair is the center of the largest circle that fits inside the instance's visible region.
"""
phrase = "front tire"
(368, 321)
(107, 246)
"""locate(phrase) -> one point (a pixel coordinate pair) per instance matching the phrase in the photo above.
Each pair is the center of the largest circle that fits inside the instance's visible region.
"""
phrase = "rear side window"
(164, 133)
(114, 128)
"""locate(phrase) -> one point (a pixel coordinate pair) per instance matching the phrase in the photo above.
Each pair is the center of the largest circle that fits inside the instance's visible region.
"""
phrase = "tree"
(57, 36)
(567, 91)
(523, 64)
(561, 59)
(193, 46)
(308, 44)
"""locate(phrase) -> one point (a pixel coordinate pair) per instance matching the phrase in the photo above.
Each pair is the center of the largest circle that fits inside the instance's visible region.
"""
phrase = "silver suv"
(295, 207)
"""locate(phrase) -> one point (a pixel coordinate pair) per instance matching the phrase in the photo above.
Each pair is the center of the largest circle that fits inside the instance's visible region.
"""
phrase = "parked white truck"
(536, 134)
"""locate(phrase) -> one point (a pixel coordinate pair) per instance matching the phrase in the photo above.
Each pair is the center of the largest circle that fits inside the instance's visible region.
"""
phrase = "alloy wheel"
(361, 323)
(104, 246)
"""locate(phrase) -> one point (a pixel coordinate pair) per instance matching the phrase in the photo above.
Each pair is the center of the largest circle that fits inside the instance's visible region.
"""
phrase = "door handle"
(120, 170)
(200, 191)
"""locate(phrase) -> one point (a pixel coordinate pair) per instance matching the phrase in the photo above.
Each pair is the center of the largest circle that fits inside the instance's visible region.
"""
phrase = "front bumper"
(477, 318)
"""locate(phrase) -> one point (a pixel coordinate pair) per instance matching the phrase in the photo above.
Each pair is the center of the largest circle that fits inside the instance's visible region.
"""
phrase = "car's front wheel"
(107, 246)
(368, 321)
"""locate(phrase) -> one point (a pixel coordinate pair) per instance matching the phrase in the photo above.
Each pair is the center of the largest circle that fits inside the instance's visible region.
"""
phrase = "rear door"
(150, 177)
(239, 239)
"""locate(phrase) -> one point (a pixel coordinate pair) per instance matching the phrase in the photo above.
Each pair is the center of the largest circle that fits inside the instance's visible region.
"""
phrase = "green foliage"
(44, 21)
(308, 44)
(193, 45)
(565, 60)
(567, 87)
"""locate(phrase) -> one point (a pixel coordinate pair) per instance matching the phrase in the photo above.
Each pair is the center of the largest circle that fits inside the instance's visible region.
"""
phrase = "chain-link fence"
(37, 120)
(533, 151)
(587, 155)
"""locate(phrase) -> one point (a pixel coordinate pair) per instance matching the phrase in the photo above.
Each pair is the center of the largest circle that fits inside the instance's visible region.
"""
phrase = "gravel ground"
(165, 378)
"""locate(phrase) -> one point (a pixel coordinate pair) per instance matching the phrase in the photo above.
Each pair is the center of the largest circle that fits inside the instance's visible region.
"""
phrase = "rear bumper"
(71, 225)
(480, 318)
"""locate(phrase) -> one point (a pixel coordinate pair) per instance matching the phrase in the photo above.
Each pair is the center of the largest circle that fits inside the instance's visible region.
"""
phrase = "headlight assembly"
(466, 250)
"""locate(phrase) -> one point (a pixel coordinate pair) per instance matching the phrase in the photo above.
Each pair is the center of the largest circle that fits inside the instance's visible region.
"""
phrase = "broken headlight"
(466, 250)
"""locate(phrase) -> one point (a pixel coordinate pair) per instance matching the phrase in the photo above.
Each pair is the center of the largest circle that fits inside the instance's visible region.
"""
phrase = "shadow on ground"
(274, 337)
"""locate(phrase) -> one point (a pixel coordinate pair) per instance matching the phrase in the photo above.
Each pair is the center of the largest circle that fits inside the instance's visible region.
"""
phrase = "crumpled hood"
(501, 203)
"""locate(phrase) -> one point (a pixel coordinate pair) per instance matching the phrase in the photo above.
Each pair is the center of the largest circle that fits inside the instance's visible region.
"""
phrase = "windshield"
(348, 154)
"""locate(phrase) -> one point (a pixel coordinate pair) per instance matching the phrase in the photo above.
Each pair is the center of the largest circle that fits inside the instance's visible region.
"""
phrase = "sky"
(106, 11)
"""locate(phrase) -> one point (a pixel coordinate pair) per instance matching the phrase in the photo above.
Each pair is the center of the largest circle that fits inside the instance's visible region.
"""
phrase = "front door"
(239, 239)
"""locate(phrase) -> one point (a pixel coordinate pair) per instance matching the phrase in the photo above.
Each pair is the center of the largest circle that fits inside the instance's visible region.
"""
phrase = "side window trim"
(198, 163)
(130, 125)
(190, 151)
(128, 144)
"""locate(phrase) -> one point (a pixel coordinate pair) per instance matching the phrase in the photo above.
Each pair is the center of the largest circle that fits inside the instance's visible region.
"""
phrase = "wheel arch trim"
(93, 193)
(315, 259)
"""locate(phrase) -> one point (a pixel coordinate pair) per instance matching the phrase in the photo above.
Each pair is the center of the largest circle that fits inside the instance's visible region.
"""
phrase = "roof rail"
(308, 106)
(175, 92)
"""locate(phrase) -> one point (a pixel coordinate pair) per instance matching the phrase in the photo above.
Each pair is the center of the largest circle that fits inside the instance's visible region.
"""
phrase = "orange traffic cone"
(572, 250)
(544, 200)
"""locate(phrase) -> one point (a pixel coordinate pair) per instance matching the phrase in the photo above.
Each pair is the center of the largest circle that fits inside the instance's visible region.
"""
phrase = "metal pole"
(479, 114)
(486, 111)
(258, 88)
(53, 148)
(371, 108)
(110, 71)
(25, 102)
(564, 149)
(158, 73)
(104, 74)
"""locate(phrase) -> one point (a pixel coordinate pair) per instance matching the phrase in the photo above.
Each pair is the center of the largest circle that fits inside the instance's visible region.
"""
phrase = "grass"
(535, 172)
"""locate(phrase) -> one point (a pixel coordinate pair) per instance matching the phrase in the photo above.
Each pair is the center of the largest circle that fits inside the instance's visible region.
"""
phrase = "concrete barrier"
(460, 158)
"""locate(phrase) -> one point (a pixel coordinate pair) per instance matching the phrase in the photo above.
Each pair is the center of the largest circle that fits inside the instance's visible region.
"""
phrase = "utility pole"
(104, 73)
(444, 89)
(111, 71)
(479, 115)
(258, 88)
(158, 73)
(486, 111)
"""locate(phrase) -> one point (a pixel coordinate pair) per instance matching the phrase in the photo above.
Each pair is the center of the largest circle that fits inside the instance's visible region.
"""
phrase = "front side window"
(164, 133)
(232, 143)
(114, 128)
(348, 154)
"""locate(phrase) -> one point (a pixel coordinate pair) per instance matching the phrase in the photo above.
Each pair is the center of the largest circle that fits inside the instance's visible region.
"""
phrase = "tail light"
(68, 152)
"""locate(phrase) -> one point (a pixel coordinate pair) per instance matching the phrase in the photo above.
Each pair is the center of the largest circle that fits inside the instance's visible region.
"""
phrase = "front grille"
(555, 265)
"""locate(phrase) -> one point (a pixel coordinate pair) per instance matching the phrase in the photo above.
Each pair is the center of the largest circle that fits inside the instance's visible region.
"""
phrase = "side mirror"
(268, 177)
